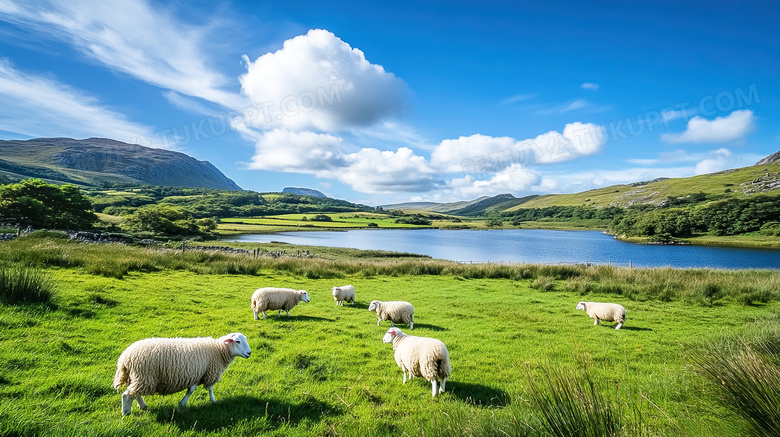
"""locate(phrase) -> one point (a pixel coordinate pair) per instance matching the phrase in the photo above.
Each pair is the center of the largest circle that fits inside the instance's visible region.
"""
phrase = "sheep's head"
(581, 306)
(237, 344)
(304, 295)
(373, 305)
(391, 334)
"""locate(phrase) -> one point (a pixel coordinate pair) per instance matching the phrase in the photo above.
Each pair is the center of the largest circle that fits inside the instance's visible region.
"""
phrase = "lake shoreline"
(731, 241)
(518, 246)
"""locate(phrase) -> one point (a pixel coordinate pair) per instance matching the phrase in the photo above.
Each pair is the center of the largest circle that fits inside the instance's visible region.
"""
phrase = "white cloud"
(706, 162)
(376, 171)
(132, 37)
(298, 152)
(319, 82)
(481, 153)
(720, 160)
(512, 179)
(587, 180)
(590, 86)
(730, 128)
(39, 106)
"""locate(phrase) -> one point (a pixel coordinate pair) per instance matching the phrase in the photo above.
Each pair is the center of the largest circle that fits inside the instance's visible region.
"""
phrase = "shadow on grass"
(478, 394)
(429, 327)
(269, 413)
(293, 318)
(634, 328)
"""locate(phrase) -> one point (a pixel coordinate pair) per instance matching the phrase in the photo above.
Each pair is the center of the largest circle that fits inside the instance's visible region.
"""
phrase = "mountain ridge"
(96, 161)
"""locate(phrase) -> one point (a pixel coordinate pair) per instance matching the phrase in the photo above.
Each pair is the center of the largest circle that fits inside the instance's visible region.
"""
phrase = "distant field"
(296, 222)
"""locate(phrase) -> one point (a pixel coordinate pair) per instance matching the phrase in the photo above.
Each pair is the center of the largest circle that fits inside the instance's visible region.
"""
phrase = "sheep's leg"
(618, 326)
(443, 381)
(288, 313)
(280, 313)
(265, 316)
(411, 324)
(377, 321)
(595, 320)
(434, 388)
(211, 393)
(141, 402)
(403, 369)
(127, 403)
(186, 398)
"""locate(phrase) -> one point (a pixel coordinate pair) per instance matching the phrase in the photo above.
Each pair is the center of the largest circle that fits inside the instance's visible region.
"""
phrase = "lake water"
(528, 246)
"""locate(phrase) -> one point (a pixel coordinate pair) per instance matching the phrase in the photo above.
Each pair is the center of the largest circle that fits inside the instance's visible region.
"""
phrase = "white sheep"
(421, 356)
(609, 312)
(271, 298)
(168, 365)
(396, 311)
(344, 293)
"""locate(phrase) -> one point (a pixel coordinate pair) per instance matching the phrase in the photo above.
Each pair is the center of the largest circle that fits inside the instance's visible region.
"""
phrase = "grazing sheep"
(396, 311)
(270, 298)
(421, 356)
(344, 293)
(168, 365)
(609, 312)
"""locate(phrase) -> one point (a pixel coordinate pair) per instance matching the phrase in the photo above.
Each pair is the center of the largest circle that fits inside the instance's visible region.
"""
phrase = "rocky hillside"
(304, 192)
(95, 161)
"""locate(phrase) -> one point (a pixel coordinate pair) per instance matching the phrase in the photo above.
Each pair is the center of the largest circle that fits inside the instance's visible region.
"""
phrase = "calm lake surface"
(528, 246)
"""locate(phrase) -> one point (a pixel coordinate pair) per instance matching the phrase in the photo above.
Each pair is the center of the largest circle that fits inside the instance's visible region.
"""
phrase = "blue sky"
(383, 102)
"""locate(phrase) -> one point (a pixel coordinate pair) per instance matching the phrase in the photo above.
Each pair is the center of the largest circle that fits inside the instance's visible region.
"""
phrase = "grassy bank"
(515, 341)
(752, 240)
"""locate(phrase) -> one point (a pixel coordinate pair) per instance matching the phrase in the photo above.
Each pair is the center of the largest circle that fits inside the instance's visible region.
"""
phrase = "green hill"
(736, 183)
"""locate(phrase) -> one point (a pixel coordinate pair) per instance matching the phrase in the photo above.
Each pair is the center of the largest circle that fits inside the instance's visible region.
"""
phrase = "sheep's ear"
(229, 340)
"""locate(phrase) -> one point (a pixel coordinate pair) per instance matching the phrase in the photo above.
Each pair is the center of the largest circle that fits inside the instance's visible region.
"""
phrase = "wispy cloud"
(590, 86)
(565, 107)
(131, 37)
(515, 99)
(734, 127)
(37, 106)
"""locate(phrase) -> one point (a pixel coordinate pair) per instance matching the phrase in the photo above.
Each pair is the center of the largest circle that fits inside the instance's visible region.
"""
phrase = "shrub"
(22, 285)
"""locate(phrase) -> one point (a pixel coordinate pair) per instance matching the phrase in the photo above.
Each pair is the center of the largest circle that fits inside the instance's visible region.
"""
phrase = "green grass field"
(325, 371)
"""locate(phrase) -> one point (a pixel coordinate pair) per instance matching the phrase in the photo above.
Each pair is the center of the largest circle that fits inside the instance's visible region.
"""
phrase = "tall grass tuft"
(746, 379)
(23, 285)
(570, 405)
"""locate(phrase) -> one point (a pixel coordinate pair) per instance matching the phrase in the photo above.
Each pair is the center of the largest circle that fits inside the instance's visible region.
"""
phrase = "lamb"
(421, 356)
(168, 365)
(609, 312)
(271, 298)
(396, 311)
(344, 293)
